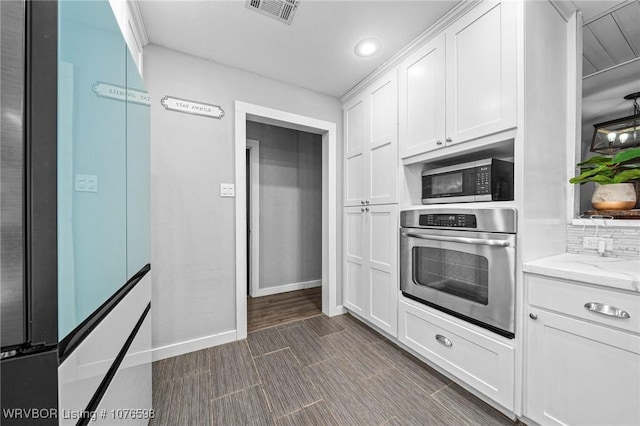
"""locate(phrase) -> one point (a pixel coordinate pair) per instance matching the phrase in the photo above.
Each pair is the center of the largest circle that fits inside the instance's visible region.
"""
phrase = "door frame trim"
(254, 163)
(328, 130)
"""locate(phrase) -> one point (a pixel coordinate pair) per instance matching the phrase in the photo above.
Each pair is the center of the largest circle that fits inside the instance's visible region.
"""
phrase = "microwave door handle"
(477, 241)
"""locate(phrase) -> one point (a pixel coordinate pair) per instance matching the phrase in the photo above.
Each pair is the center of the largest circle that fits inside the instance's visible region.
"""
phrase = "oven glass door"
(462, 274)
(471, 274)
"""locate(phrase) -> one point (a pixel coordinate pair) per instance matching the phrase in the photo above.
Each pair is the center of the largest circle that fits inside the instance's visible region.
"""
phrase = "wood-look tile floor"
(318, 371)
(277, 309)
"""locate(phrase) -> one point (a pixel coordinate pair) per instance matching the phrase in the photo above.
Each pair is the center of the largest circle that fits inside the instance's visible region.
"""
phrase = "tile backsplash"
(626, 240)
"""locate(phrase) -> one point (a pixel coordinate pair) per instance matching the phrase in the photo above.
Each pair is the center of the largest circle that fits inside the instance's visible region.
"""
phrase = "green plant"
(622, 167)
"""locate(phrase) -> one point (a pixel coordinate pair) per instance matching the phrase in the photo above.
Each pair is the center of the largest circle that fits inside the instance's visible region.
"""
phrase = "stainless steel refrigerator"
(28, 310)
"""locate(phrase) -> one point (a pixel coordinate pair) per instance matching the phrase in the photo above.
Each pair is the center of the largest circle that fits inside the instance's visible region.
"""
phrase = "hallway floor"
(318, 371)
(278, 309)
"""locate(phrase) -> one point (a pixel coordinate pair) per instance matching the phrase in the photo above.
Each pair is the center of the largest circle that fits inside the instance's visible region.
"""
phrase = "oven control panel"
(449, 220)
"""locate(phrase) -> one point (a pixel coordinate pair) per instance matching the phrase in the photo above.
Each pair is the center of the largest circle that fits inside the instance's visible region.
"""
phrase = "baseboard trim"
(268, 291)
(182, 348)
(339, 310)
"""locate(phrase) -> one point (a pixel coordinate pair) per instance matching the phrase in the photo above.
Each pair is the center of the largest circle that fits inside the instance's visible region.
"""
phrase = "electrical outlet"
(592, 243)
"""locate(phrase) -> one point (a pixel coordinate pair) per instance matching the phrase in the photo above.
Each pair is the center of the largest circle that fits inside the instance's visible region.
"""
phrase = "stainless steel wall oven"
(462, 262)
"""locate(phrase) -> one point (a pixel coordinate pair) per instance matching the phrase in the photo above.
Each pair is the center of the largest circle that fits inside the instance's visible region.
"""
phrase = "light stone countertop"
(605, 271)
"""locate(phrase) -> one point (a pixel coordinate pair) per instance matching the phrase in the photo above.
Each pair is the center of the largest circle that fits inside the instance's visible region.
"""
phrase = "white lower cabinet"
(580, 371)
(483, 362)
(371, 264)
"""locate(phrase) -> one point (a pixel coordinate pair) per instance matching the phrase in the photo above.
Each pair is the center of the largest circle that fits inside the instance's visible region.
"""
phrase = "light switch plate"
(227, 190)
(86, 183)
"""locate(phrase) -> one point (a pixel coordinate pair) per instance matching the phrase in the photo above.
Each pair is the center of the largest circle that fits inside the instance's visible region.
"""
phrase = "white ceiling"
(315, 51)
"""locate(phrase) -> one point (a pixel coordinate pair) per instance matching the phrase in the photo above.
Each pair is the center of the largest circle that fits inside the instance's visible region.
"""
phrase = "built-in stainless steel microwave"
(483, 180)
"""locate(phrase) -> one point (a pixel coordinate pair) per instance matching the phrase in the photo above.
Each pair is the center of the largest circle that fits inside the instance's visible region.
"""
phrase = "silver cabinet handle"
(440, 338)
(533, 316)
(605, 309)
(361, 209)
(366, 201)
(449, 140)
(477, 241)
(438, 142)
(361, 201)
(366, 209)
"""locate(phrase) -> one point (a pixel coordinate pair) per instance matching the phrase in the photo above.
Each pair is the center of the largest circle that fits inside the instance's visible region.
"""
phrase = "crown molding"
(136, 22)
(565, 9)
(456, 12)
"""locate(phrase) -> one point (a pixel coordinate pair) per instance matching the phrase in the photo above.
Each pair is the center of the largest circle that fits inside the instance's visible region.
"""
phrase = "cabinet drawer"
(482, 362)
(570, 298)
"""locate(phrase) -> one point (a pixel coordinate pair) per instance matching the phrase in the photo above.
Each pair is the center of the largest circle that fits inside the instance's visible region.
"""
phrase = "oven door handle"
(477, 241)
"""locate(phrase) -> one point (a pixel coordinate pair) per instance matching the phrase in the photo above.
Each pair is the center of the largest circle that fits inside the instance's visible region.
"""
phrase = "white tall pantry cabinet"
(371, 212)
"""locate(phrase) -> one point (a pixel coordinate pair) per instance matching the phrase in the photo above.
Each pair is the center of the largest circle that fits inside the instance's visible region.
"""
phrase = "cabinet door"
(422, 99)
(382, 267)
(354, 149)
(354, 260)
(580, 373)
(382, 141)
(481, 72)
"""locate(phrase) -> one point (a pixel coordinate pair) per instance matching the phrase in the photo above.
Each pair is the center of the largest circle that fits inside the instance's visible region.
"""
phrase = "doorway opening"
(284, 206)
(329, 247)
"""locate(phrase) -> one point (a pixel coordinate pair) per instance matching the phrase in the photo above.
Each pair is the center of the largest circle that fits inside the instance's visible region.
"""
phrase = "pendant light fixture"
(614, 135)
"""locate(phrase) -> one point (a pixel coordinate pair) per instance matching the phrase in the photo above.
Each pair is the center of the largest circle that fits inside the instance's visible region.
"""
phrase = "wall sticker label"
(119, 93)
(192, 107)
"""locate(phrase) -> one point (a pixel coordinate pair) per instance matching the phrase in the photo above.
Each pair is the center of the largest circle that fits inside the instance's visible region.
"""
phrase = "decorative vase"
(615, 196)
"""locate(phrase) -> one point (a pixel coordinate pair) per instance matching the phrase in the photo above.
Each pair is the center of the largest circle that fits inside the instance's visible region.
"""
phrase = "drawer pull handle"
(533, 316)
(605, 309)
(440, 338)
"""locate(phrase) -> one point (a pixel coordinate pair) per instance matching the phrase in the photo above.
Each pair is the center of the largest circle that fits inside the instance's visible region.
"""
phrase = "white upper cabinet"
(481, 72)
(422, 99)
(371, 144)
(461, 85)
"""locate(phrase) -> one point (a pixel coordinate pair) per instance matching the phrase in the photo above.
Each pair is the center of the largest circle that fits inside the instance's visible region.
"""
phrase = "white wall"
(290, 205)
(192, 228)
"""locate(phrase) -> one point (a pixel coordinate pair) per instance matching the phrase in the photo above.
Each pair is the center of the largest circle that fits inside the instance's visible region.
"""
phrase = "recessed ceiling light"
(367, 47)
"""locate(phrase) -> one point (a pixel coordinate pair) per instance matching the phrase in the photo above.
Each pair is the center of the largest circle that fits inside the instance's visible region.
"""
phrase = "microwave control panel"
(483, 180)
(449, 220)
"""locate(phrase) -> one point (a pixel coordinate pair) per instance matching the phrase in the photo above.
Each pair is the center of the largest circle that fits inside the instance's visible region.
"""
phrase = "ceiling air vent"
(282, 10)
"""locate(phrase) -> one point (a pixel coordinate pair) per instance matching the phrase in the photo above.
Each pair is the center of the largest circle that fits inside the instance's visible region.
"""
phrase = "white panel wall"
(543, 152)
